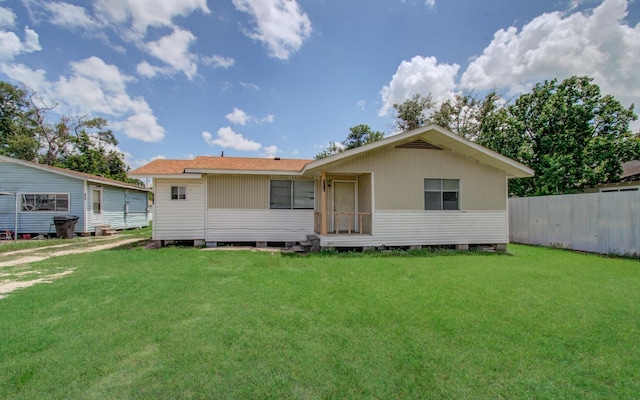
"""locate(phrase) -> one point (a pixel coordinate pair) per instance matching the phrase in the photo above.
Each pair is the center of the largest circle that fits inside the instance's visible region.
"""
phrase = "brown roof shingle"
(170, 167)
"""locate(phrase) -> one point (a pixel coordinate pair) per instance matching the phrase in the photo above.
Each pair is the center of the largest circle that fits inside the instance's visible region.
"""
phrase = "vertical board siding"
(408, 227)
(607, 223)
(243, 225)
(114, 212)
(23, 179)
(179, 219)
(242, 191)
(399, 177)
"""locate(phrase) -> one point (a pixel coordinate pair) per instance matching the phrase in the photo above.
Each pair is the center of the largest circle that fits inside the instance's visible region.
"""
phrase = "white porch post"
(323, 204)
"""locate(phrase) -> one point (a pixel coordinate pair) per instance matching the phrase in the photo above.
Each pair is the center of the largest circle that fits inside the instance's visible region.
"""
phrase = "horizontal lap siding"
(242, 225)
(405, 228)
(179, 219)
(23, 179)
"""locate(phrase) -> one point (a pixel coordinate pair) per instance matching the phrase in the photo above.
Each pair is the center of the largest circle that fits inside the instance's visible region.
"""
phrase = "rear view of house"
(32, 194)
(420, 188)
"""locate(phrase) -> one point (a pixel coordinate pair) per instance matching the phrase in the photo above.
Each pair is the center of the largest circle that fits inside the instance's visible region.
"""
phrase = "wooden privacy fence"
(607, 223)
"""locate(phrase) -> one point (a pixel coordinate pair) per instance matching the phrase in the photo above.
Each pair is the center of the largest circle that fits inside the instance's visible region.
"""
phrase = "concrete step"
(298, 249)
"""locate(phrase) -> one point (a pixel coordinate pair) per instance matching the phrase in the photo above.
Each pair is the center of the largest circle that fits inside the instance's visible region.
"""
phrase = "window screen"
(292, 195)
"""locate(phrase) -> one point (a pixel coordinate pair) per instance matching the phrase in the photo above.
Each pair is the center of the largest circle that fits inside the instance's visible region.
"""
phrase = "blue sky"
(258, 78)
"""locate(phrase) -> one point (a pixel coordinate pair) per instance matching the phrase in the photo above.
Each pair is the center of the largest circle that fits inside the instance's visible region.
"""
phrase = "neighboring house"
(425, 187)
(32, 194)
(629, 180)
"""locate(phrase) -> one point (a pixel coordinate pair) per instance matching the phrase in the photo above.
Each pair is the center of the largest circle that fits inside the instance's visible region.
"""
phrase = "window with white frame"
(291, 195)
(178, 193)
(49, 202)
(441, 194)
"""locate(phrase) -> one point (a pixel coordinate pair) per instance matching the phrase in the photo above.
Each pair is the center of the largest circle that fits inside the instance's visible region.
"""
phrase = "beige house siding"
(407, 228)
(243, 225)
(179, 219)
(481, 187)
(242, 191)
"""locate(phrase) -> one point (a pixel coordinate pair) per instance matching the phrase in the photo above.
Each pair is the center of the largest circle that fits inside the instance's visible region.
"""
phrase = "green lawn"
(186, 323)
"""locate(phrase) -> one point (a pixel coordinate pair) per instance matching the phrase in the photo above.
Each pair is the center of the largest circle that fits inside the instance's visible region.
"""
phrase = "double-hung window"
(51, 202)
(441, 194)
(178, 193)
(291, 195)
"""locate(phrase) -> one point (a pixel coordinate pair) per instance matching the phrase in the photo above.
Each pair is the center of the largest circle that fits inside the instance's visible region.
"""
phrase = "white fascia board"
(166, 176)
(242, 172)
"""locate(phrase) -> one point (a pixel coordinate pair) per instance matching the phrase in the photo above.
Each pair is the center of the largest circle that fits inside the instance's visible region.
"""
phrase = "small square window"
(441, 194)
(178, 193)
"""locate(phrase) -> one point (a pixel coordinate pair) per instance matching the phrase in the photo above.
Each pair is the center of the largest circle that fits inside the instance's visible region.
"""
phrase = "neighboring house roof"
(207, 164)
(73, 174)
(432, 136)
(630, 171)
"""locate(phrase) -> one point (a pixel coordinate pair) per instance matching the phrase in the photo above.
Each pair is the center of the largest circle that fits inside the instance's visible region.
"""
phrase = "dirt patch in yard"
(9, 286)
(27, 256)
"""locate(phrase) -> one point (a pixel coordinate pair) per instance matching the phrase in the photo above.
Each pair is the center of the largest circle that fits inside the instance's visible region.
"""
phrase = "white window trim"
(291, 191)
(441, 192)
(184, 190)
(22, 210)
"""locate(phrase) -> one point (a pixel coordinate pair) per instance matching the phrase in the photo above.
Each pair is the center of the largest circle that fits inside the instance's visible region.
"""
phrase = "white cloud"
(268, 119)
(218, 61)
(280, 25)
(173, 49)
(240, 117)
(141, 14)
(361, 104)
(431, 3)
(7, 18)
(270, 151)
(555, 45)
(421, 75)
(226, 137)
(250, 86)
(69, 15)
(149, 71)
(94, 88)
(11, 45)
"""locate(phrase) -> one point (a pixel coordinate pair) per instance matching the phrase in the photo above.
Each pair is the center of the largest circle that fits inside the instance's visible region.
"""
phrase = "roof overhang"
(439, 137)
(241, 172)
(71, 175)
(167, 176)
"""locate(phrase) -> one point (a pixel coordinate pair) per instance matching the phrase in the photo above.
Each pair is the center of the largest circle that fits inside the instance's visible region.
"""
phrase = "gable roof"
(73, 174)
(437, 137)
(229, 165)
(630, 171)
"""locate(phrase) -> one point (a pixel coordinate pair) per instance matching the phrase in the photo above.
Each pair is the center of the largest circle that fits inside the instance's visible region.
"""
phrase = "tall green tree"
(17, 137)
(359, 135)
(413, 113)
(78, 143)
(571, 135)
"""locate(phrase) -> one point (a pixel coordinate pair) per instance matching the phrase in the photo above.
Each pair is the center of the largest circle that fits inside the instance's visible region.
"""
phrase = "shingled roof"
(204, 164)
(73, 174)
